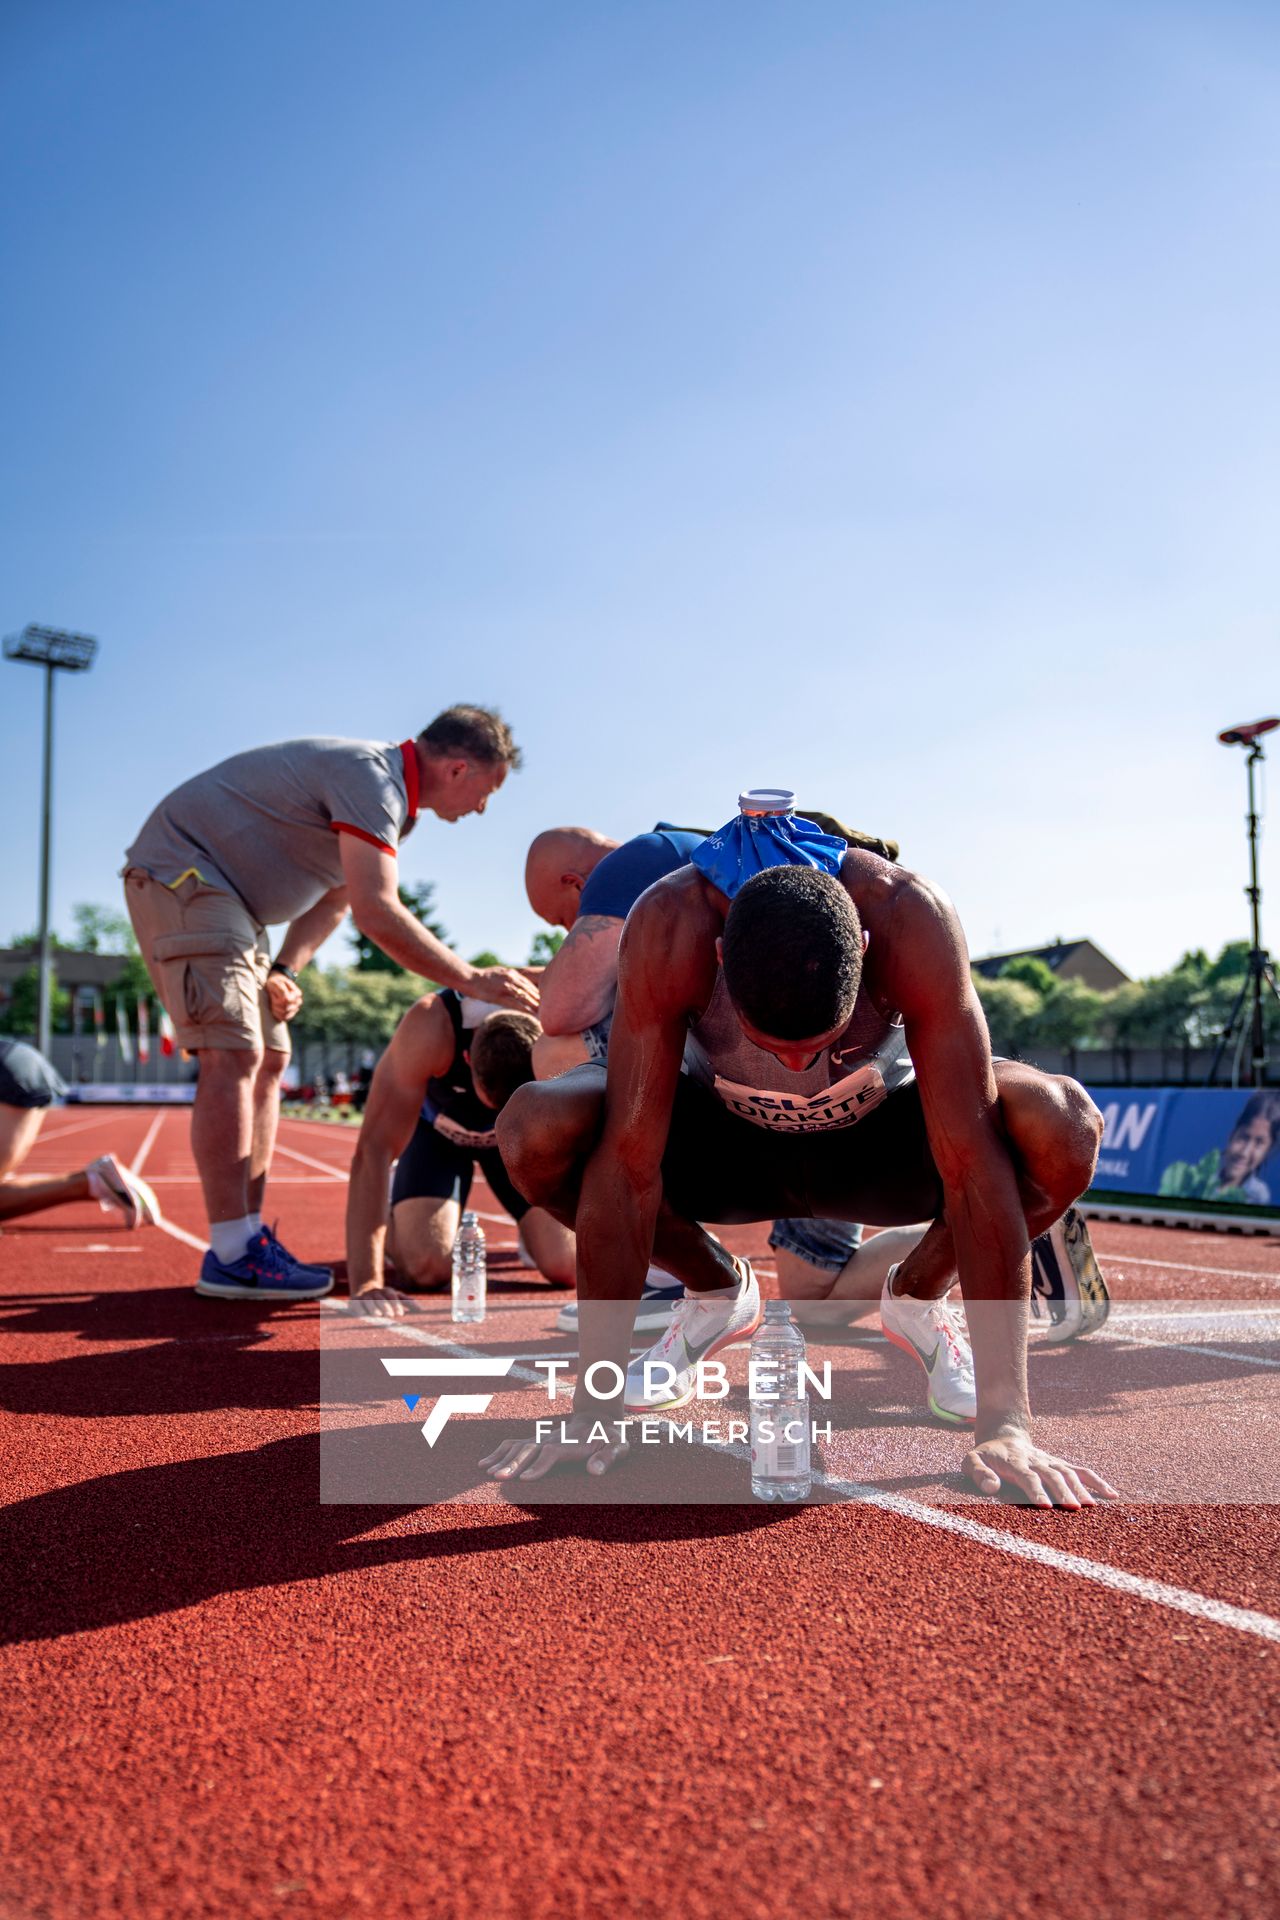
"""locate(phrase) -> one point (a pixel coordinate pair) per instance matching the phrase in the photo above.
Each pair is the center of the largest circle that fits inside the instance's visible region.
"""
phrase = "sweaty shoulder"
(916, 951)
(667, 960)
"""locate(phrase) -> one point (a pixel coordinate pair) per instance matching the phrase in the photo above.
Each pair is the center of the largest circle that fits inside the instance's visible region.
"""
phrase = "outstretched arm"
(666, 971)
(371, 875)
(947, 1034)
(421, 1048)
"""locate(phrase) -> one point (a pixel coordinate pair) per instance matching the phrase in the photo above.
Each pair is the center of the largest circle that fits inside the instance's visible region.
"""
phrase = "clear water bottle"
(470, 1280)
(780, 1438)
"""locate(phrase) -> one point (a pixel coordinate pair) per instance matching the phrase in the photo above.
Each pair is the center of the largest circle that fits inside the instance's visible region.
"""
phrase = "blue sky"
(877, 399)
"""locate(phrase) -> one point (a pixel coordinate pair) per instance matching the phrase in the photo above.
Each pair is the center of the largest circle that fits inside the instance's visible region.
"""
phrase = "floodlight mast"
(57, 651)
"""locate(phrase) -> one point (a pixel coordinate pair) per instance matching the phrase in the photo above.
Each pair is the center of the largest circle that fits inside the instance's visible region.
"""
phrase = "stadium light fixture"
(57, 651)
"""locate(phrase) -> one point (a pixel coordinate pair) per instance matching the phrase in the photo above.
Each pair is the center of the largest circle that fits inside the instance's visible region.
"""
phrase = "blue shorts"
(26, 1077)
(596, 1041)
(825, 1244)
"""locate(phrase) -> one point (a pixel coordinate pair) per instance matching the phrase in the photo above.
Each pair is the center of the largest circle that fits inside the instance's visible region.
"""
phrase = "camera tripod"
(1260, 971)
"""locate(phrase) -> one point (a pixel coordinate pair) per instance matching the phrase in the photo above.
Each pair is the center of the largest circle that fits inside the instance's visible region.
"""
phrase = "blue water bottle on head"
(767, 832)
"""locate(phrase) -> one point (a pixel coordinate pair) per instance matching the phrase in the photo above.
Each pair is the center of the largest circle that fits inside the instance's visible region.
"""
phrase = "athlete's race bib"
(463, 1136)
(841, 1105)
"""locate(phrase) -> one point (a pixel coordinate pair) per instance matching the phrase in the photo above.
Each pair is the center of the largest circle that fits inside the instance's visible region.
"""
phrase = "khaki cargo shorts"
(208, 960)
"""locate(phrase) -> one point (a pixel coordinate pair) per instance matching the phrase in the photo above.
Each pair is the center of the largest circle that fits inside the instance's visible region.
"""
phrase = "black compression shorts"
(433, 1168)
(718, 1167)
(26, 1078)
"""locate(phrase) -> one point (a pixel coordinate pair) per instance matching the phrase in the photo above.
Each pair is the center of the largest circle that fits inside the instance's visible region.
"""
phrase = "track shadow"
(129, 1546)
(1099, 1376)
(201, 1356)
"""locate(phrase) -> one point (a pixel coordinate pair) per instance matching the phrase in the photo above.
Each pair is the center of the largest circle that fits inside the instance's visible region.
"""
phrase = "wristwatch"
(278, 966)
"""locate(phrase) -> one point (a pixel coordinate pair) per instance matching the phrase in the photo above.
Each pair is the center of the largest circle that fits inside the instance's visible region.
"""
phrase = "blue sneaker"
(304, 1266)
(264, 1271)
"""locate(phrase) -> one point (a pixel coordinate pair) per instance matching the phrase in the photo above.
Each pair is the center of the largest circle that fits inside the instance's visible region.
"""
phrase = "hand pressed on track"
(1010, 1463)
(381, 1303)
(531, 1459)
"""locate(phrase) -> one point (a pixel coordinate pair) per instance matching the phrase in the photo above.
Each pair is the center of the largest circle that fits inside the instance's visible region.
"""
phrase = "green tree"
(18, 1014)
(546, 945)
(101, 929)
(32, 939)
(342, 1003)
(486, 958)
(1011, 1008)
(1068, 1016)
(131, 984)
(1166, 1010)
(419, 900)
(1031, 971)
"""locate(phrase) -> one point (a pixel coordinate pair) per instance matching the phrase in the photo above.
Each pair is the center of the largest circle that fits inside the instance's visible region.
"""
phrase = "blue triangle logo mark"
(411, 1400)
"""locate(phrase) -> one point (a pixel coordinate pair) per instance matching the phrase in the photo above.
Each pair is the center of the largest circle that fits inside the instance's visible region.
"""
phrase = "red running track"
(224, 1698)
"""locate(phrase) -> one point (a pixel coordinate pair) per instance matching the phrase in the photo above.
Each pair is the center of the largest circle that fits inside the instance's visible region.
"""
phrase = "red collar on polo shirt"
(409, 754)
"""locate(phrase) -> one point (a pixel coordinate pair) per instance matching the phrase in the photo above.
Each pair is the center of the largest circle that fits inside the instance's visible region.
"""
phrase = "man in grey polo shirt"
(300, 833)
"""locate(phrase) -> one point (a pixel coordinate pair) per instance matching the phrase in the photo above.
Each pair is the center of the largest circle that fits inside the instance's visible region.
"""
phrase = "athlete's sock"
(229, 1238)
(255, 1224)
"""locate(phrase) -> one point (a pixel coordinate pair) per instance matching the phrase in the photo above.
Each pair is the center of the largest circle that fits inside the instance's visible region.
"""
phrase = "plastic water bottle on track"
(780, 1436)
(470, 1278)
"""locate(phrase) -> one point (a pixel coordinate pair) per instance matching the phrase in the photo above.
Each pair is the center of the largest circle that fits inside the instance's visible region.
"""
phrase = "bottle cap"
(777, 1310)
(470, 1219)
(757, 800)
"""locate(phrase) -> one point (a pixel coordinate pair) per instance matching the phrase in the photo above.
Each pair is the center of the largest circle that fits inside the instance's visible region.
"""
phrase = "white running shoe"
(1069, 1297)
(113, 1184)
(661, 1296)
(935, 1335)
(701, 1325)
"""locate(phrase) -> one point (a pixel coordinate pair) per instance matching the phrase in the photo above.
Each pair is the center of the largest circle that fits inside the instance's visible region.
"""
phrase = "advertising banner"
(131, 1093)
(1214, 1144)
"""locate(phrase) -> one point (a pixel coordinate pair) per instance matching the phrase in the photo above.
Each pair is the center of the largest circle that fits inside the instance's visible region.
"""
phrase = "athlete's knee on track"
(559, 1267)
(540, 1131)
(1079, 1135)
(1057, 1128)
(522, 1135)
(423, 1269)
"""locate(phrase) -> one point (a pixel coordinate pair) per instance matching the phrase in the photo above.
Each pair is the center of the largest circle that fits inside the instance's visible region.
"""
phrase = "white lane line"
(180, 1233)
(139, 1160)
(1175, 1317)
(1186, 1346)
(421, 1338)
(1200, 1606)
(1120, 1260)
(49, 1136)
(341, 1174)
